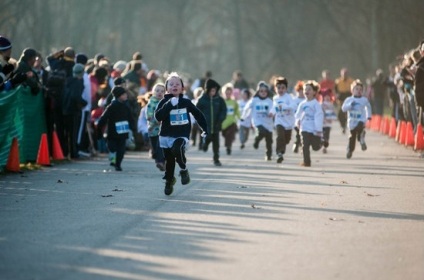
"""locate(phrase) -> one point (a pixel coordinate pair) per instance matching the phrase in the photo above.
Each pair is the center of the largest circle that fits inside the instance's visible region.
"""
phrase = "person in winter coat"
(72, 103)
(419, 80)
(213, 107)
(173, 111)
(119, 121)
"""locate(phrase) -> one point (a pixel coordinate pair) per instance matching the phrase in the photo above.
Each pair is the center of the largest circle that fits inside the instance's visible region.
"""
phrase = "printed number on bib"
(122, 127)
(230, 110)
(179, 116)
(355, 115)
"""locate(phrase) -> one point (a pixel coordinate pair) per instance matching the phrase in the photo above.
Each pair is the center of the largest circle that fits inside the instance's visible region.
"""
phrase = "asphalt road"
(361, 218)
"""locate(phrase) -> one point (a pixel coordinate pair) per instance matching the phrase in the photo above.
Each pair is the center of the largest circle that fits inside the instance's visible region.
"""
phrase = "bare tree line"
(295, 38)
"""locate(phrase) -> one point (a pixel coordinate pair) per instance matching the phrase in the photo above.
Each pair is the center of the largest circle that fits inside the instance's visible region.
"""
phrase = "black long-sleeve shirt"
(176, 119)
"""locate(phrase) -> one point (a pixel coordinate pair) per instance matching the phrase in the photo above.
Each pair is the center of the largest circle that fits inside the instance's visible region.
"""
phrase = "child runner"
(154, 126)
(246, 124)
(358, 109)
(119, 121)
(173, 113)
(329, 115)
(229, 125)
(284, 108)
(260, 108)
(213, 107)
(298, 99)
(310, 118)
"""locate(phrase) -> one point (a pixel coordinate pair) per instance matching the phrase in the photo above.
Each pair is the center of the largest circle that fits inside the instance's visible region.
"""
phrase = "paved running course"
(361, 218)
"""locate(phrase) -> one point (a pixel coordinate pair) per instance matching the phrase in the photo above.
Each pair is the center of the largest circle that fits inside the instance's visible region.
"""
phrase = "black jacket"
(419, 83)
(114, 116)
(176, 119)
(72, 101)
(214, 108)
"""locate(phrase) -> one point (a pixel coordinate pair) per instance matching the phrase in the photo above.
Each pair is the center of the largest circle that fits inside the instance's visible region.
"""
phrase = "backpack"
(56, 83)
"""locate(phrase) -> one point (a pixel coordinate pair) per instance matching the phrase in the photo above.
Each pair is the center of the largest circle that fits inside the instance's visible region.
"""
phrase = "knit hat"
(5, 44)
(69, 53)
(120, 65)
(78, 69)
(118, 91)
(262, 84)
(81, 58)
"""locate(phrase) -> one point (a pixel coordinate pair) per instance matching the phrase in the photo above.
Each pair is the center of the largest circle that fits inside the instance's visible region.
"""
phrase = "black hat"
(5, 44)
(28, 53)
(81, 58)
(118, 91)
(118, 81)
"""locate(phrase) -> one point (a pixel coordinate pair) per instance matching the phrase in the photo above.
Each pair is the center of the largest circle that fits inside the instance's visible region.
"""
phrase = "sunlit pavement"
(361, 218)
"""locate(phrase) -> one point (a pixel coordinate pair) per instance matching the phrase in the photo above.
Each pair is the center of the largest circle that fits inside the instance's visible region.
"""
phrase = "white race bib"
(230, 110)
(179, 117)
(122, 127)
(355, 115)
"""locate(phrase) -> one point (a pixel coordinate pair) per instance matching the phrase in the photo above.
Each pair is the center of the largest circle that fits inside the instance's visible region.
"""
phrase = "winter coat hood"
(209, 84)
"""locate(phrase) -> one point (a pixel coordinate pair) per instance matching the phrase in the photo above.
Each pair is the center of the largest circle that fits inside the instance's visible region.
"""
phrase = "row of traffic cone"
(403, 131)
(43, 157)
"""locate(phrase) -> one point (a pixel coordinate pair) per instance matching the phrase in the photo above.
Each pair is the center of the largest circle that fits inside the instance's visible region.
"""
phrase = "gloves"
(204, 134)
(174, 101)
(18, 79)
(8, 68)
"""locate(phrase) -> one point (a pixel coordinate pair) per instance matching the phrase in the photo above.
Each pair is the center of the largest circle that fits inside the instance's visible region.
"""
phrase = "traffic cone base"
(43, 157)
(57, 153)
(13, 159)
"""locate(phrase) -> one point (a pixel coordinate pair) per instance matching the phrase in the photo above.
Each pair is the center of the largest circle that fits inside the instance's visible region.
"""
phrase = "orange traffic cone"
(43, 157)
(386, 129)
(57, 153)
(419, 139)
(382, 124)
(402, 136)
(377, 123)
(13, 159)
(409, 135)
(392, 129)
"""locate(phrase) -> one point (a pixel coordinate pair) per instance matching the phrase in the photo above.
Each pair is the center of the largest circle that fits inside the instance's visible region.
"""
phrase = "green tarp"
(21, 116)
